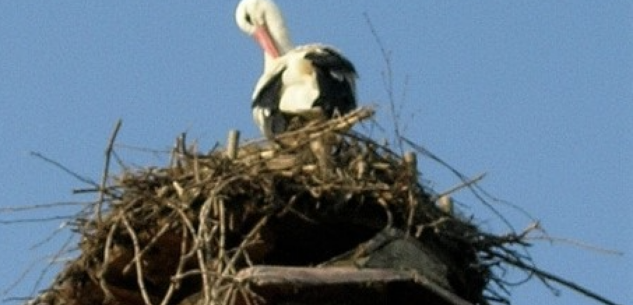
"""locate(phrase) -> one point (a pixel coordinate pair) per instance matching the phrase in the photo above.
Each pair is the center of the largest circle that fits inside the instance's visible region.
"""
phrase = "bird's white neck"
(282, 43)
(279, 33)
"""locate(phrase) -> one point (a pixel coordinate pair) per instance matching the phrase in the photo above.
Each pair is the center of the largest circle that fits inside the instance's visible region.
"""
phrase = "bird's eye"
(248, 19)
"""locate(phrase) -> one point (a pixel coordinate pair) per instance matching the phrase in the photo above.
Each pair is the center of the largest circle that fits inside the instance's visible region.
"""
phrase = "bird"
(308, 82)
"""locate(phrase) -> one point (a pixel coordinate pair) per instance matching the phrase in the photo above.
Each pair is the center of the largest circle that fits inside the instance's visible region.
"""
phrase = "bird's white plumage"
(259, 116)
(300, 84)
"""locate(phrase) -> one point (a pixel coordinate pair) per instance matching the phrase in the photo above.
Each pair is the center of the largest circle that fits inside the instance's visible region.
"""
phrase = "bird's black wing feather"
(267, 99)
(337, 92)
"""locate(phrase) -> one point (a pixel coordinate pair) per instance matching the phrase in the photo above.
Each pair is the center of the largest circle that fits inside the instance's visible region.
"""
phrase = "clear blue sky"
(538, 94)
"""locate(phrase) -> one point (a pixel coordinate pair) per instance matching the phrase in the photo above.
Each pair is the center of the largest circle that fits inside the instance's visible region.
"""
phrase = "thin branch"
(204, 238)
(181, 265)
(106, 262)
(388, 82)
(23, 275)
(460, 186)
(461, 176)
(557, 279)
(156, 152)
(64, 168)
(253, 232)
(147, 247)
(49, 266)
(139, 263)
(578, 244)
(106, 169)
(36, 220)
(39, 206)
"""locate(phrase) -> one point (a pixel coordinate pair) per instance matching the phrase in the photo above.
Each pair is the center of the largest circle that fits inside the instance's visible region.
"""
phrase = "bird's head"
(262, 19)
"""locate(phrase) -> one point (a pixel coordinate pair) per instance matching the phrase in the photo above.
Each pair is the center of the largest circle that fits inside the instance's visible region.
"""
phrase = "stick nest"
(185, 233)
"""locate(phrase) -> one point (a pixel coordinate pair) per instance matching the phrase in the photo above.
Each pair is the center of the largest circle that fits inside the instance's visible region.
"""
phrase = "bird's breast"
(300, 88)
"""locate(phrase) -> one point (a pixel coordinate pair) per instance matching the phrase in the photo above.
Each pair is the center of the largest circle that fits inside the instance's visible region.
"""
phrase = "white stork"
(310, 81)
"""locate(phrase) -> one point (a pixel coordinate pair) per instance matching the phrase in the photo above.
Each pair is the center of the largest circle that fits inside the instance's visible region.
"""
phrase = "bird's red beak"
(262, 36)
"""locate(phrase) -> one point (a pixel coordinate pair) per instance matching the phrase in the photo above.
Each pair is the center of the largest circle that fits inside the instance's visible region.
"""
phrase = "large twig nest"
(189, 232)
